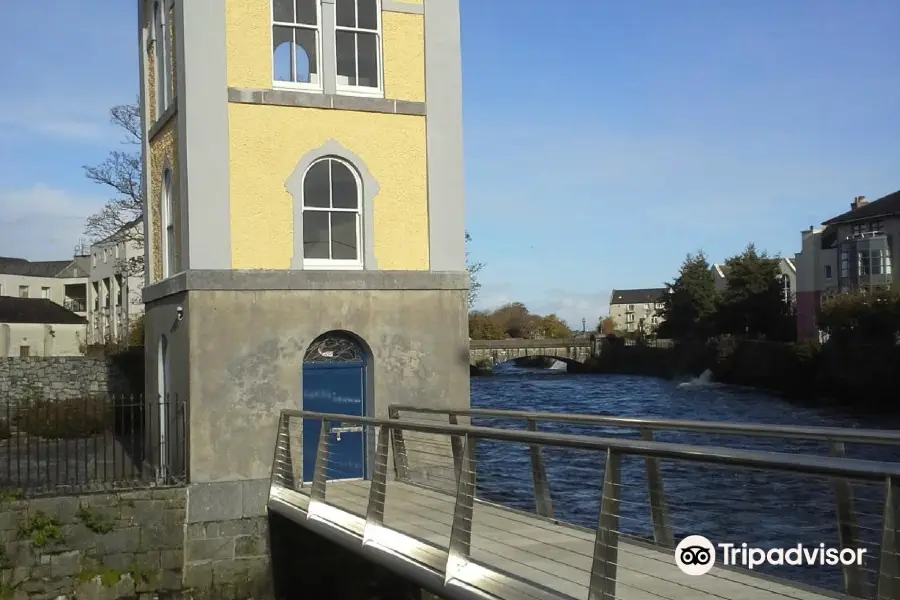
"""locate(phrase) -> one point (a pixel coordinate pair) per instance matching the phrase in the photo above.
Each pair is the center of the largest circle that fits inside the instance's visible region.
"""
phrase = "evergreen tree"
(752, 303)
(690, 304)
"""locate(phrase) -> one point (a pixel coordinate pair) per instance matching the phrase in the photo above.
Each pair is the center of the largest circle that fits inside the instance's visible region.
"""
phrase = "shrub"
(66, 419)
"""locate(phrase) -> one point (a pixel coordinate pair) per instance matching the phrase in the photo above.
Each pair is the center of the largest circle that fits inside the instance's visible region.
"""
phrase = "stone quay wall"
(93, 547)
(58, 378)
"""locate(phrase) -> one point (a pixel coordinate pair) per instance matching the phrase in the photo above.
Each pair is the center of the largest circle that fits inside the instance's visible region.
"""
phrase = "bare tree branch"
(121, 173)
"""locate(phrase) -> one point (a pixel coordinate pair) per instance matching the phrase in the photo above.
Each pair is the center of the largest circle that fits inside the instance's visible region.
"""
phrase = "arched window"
(331, 216)
(335, 347)
(169, 245)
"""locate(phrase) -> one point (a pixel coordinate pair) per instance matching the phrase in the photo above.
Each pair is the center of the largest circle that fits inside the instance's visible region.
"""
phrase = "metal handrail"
(603, 572)
(848, 528)
(828, 434)
(772, 461)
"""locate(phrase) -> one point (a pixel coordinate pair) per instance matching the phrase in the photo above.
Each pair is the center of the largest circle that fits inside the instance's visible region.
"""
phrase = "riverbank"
(860, 376)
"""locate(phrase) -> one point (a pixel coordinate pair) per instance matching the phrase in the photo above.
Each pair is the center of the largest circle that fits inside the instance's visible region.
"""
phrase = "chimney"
(858, 202)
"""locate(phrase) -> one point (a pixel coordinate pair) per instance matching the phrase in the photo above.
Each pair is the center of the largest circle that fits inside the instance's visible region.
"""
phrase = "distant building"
(850, 251)
(115, 284)
(61, 281)
(629, 309)
(787, 277)
(39, 327)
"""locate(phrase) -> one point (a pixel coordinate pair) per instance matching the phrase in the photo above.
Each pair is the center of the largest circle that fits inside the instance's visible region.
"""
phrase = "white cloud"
(569, 306)
(572, 307)
(43, 222)
(78, 117)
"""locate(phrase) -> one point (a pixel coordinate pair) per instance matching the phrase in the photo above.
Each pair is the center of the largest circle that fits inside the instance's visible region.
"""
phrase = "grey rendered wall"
(247, 352)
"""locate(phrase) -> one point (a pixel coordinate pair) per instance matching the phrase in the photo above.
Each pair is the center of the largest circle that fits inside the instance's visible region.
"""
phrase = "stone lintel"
(261, 280)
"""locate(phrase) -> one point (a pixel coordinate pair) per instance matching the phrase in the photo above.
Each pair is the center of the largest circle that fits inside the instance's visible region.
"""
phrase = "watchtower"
(305, 224)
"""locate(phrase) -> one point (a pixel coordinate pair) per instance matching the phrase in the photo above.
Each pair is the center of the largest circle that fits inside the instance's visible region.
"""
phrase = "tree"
(474, 268)
(752, 303)
(515, 320)
(690, 304)
(551, 326)
(862, 317)
(483, 326)
(122, 174)
(606, 326)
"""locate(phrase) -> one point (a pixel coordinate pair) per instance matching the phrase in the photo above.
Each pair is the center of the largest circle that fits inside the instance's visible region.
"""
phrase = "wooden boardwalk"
(541, 555)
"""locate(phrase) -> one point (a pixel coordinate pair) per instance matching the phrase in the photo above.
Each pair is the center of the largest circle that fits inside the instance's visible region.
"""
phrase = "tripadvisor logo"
(696, 555)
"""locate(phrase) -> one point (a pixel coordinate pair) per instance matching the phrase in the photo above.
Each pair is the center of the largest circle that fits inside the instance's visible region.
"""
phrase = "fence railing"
(75, 305)
(90, 443)
(846, 507)
(470, 543)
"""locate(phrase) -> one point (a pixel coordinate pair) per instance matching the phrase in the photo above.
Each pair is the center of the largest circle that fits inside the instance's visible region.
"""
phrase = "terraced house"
(305, 219)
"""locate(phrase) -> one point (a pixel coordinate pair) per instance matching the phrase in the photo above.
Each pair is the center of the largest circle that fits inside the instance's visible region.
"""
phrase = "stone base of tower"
(231, 344)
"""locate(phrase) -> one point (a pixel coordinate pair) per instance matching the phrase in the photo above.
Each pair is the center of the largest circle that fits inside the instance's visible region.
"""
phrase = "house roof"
(36, 310)
(883, 207)
(43, 268)
(119, 233)
(640, 296)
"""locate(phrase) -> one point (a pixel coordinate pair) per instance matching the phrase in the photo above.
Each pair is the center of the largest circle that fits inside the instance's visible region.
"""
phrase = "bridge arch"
(573, 352)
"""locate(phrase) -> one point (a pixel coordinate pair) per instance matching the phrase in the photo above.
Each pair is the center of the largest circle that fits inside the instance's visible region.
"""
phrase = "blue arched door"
(334, 381)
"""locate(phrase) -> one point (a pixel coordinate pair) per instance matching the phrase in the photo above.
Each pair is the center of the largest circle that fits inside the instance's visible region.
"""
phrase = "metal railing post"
(456, 446)
(378, 488)
(543, 502)
(889, 567)
(401, 462)
(659, 508)
(606, 544)
(461, 529)
(317, 493)
(848, 529)
(282, 465)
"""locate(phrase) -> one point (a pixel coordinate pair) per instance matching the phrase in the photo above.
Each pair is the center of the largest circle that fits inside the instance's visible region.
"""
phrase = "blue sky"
(604, 140)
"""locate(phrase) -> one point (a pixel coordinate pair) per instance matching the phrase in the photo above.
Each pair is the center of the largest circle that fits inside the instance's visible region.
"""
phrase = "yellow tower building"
(305, 226)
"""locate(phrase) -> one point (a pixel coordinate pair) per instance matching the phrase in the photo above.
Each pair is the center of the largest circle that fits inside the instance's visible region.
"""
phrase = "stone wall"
(226, 552)
(93, 547)
(59, 377)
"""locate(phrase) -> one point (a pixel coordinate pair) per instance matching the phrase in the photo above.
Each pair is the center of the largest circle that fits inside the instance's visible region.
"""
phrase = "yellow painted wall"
(163, 148)
(248, 43)
(404, 56)
(248, 35)
(267, 142)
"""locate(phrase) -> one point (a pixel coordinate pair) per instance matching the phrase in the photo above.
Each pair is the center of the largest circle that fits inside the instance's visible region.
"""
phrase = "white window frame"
(362, 90)
(161, 55)
(330, 263)
(297, 85)
(167, 206)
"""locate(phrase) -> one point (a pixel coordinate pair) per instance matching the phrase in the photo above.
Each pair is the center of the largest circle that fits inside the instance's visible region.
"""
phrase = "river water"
(763, 509)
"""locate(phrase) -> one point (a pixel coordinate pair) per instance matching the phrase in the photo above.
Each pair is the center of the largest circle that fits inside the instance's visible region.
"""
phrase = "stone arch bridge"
(575, 350)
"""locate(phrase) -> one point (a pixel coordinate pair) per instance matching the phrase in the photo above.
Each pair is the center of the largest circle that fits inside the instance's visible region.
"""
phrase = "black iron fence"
(90, 443)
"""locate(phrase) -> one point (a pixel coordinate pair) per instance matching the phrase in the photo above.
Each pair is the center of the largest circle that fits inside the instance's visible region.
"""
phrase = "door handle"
(339, 430)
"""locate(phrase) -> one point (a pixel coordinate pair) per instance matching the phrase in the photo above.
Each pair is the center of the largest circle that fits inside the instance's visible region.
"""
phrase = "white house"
(39, 327)
(61, 281)
(114, 284)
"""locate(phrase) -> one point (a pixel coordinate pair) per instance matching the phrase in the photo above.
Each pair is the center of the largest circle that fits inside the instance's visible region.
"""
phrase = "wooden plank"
(551, 555)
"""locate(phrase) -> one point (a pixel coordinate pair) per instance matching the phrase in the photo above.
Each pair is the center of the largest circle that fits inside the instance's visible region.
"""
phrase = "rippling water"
(763, 509)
